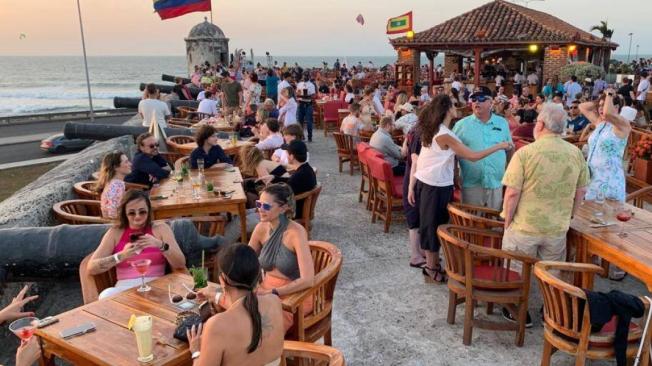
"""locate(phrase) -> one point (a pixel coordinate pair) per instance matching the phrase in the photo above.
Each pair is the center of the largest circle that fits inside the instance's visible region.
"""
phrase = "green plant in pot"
(184, 170)
(209, 187)
(199, 277)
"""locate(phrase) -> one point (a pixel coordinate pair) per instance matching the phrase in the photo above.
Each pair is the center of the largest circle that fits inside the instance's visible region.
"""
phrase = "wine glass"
(24, 328)
(142, 266)
(624, 215)
(200, 165)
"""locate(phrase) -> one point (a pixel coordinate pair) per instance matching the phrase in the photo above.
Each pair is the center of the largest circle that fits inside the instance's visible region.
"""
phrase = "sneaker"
(508, 316)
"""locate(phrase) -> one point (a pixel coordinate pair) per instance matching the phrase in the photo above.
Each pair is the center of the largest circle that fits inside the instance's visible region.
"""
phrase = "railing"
(58, 116)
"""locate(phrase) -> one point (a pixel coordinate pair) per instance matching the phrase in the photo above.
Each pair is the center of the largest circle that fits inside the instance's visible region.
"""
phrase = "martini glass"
(24, 328)
(142, 266)
(623, 216)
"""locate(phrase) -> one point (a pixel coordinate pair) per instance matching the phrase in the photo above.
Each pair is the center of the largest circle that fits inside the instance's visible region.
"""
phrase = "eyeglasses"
(262, 205)
(574, 107)
(137, 213)
(479, 98)
(154, 145)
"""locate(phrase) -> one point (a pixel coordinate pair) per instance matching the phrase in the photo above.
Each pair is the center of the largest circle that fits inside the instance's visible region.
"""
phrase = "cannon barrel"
(172, 78)
(121, 102)
(57, 251)
(194, 91)
(93, 131)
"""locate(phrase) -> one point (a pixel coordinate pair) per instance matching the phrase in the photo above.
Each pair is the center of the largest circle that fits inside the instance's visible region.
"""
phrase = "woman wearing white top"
(288, 113)
(432, 183)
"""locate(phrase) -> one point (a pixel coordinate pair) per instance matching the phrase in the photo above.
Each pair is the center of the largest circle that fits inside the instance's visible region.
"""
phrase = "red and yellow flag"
(400, 24)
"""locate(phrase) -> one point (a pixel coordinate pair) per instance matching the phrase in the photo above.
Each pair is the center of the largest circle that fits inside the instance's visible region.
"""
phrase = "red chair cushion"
(397, 186)
(492, 273)
(608, 330)
(381, 170)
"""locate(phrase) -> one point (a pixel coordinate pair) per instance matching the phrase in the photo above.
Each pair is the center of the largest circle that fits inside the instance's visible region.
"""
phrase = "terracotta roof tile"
(500, 21)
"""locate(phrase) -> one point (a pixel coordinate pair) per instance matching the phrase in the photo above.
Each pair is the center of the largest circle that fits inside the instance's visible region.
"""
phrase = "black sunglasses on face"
(154, 145)
(138, 213)
(479, 99)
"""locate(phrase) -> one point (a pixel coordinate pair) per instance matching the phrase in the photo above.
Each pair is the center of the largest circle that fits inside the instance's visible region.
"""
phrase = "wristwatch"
(275, 292)
(195, 355)
(164, 247)
(116, 258)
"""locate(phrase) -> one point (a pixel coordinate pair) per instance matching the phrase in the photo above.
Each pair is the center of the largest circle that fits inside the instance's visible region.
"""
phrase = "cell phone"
(78, 330)
(46, 321)
(135, 236)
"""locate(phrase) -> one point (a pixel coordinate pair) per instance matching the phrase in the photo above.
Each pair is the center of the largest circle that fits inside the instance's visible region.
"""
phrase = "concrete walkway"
(384, 313)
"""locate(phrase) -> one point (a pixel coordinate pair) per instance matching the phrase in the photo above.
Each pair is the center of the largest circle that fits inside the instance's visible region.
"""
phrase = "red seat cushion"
(608, 330)
(397, 186)
(492, 273)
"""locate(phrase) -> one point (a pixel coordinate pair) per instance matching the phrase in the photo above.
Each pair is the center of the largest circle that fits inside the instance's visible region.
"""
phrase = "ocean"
(30, 85)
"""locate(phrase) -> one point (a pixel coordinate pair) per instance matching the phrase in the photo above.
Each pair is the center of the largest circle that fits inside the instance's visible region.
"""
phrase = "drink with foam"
(143, 331)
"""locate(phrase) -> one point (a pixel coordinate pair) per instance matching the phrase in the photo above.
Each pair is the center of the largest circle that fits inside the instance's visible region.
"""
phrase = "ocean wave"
(62, 94)
(31, 109)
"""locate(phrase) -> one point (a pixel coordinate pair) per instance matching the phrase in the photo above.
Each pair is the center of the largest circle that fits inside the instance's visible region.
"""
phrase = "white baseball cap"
(408, 107)
(628, 113)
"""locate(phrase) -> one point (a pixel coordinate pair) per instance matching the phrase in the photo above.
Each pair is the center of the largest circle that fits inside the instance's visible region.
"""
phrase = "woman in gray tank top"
(282, 247)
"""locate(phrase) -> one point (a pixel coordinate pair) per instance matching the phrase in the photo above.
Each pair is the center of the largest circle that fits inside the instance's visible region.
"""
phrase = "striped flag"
(167, 9)
(360, 19)
(400, 24)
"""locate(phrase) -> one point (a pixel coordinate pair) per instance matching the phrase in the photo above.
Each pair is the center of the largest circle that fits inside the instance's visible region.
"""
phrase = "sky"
(282, 27)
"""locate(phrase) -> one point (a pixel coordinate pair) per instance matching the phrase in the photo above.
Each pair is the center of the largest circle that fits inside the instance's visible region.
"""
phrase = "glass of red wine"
(623, 216)
(24, 328)
(142, 266)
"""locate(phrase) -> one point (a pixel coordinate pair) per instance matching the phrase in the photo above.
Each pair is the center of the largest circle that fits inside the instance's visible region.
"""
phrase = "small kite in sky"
(22, 36)
(360, 19)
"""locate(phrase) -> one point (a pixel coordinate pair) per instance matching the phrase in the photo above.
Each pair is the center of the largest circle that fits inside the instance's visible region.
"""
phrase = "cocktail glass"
(142, 266)
(24, 328)
(196, 186)
(623, 216)
(143, 331)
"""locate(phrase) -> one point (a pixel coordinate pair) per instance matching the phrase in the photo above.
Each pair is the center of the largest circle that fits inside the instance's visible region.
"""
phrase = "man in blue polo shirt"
(482, 180)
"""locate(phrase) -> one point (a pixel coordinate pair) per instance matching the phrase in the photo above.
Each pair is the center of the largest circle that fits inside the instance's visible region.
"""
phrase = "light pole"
(630, 46)
(88, 82)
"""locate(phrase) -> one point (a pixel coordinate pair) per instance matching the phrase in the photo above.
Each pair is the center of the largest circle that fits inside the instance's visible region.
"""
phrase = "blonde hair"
(401, 99)
(250, 157)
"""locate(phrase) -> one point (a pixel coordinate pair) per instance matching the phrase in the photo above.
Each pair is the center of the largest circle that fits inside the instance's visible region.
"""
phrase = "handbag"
(185, 321)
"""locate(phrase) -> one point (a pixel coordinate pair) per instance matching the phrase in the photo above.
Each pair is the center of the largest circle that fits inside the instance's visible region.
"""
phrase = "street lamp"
(630, 46)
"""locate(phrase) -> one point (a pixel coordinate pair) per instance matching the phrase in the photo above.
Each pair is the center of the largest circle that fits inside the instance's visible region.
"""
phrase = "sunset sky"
(283, 27)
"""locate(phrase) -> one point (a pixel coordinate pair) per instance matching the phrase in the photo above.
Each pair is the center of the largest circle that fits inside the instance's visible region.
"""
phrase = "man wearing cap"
(482, 180)
(408, 120)
(303, 179)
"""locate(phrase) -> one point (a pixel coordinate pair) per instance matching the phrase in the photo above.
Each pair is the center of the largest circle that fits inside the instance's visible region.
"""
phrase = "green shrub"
(582, 70)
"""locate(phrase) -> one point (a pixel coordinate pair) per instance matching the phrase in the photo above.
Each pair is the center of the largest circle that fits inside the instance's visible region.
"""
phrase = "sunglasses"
(479, 99)
(574, 107)
(137, 213)
(264, 206)
(154, 145)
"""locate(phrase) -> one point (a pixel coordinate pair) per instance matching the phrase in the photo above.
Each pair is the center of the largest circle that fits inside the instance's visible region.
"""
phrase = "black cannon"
(120, 102)
(173, 79)
(74, 130)
(194, 91)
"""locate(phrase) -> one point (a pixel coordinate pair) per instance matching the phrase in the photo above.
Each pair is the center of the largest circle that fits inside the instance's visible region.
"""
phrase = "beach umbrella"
(360, 19)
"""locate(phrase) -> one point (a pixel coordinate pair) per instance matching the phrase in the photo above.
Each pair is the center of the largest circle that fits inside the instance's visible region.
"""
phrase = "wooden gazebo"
(514, 36)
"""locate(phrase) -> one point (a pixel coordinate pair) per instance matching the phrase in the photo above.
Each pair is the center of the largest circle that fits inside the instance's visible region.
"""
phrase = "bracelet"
(195, 355)
(275, 292)
(116, 258)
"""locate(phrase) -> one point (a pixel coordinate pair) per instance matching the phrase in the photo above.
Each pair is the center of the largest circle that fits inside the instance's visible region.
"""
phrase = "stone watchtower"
(206, 42)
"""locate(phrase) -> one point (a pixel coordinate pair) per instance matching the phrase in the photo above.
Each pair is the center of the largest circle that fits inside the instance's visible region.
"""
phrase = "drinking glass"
(142, 266)
(24, 328)
(234, 138)
(623, 215)
(143, 331)
(196, 187)
(600, 201)
(200, 165)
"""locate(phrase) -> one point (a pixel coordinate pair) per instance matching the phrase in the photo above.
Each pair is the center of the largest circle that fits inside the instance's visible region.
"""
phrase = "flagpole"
(88, 81)
(211, 11)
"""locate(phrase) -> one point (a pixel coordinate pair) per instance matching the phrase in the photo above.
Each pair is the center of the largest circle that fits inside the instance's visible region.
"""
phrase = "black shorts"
(411, 212)
(433, 211)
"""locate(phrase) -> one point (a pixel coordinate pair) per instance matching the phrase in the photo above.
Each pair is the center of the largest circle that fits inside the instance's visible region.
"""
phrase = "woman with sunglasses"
(148, 166)
(282, 246)
(257, 338)
(135, 236)
(114, 169)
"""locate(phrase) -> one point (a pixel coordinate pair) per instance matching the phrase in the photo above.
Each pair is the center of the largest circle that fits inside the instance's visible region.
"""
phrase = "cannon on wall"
(74, 130)
(168, 89)
(172, 78)
(120, 102)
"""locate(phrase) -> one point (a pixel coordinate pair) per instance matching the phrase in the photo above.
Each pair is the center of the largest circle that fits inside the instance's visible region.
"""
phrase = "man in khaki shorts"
(545, 182)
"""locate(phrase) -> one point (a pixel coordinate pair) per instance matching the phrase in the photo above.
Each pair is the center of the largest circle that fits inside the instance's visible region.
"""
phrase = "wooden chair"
(640, 197)
(309, 204)
(481, 273)
(171, 157)
(388, 190)
(311, 354)
(179, 163)
(366, 155)
(183, 122)
(474, 216)
(365, 183)
(85, 190)
(79, 212)
(210, 226)
(184, 112)
(343, 150)
(173, 142)
(310, 327)
(566, 318)
(331, 115)
(365, 136)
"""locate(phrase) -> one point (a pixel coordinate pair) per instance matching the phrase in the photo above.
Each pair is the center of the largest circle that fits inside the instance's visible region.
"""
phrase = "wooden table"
(220, 125)
(178, 204)
(225, 144)
(112, 343)
(633, 254)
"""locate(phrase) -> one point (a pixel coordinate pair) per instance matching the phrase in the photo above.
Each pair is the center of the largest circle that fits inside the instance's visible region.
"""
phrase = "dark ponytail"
(432, 116)
(241, 269)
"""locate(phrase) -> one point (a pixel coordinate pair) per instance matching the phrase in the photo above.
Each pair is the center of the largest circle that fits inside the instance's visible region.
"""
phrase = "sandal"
(438, 276)
(417, 265)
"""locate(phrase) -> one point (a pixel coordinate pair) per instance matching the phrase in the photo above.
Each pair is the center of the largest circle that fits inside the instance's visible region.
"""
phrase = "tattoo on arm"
(105, 263)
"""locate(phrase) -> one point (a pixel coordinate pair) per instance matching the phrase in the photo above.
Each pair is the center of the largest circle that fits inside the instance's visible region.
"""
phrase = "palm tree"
(604, 29)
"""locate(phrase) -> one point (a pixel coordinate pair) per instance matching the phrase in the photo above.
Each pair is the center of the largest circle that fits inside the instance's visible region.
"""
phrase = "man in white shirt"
(306, 92)
(378, 105)
(208, 105)
(151, 108)
(285, 83)
(533, 78)
(271, 138)
(643, 88)
(408, 120)
(572, 88)
(499, 80)
(457, 84)
(518, 82)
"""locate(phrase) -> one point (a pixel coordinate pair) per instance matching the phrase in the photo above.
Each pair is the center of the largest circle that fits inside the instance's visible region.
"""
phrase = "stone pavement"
(384, 313)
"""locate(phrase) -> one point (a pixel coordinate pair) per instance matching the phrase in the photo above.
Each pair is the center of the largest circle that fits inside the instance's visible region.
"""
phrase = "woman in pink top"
(135, 237)
(115, 166)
